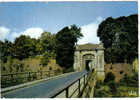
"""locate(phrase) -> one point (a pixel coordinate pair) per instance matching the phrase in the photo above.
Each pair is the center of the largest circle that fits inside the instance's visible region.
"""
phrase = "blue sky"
(32, 18)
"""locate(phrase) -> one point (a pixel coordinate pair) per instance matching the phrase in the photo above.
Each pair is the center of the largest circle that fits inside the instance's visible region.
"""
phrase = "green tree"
(5, 50)
(24, 47)
(65, 45)
(46, 43)
(120, 37)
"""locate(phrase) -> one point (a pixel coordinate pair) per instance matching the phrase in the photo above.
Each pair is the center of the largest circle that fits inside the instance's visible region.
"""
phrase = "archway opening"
(88, 61)
(88, 64)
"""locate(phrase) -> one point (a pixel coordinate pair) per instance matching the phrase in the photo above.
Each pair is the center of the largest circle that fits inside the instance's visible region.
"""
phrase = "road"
(44, 89)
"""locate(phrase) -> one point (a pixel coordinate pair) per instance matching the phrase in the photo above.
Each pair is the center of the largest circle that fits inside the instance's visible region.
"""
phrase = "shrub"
(45, 58)
(100, 93)
(67, 70)
(135, 65)
(130, 80)
(109, 77)
(34, 76)
(98, 84)
(113, 87)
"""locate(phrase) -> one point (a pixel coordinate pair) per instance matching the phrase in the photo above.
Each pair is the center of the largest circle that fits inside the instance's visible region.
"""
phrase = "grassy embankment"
(27, 65)
(125, 83)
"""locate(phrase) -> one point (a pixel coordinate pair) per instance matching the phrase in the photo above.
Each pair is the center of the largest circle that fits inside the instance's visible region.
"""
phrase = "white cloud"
(32, 32)
(90, 32)
(13, 35)
(4, 32)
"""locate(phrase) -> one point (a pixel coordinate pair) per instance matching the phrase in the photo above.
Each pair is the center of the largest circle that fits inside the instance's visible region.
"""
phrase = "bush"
(68, 70)
(34, 76)
(109, 77)
(136, 65)
(130, 80)
(113, 87)
(100, 93)
(98, 84)
(45, 58)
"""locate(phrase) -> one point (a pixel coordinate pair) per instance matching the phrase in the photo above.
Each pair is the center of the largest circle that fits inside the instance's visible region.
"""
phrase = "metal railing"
(66, 88)
(89, 89)
(13, 79)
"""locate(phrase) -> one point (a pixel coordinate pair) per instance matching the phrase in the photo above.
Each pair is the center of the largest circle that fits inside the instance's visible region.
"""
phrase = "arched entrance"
(89, 56)
(88, 61)
(88, 64)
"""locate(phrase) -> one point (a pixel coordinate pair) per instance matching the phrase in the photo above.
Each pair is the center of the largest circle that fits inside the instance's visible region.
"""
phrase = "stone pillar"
(103, 60)
(98, 62)
(76, 61)
(81, 62)
(100, 69)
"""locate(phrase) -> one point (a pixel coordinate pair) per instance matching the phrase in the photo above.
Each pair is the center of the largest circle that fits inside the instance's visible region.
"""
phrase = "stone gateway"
(90, 56)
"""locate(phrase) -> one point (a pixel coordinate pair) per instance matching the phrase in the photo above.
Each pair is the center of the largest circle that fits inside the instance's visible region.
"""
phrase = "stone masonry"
(90, 56)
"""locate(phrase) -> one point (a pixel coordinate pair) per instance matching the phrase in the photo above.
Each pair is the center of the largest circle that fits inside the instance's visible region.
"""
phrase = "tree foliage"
(60, 46)
(5, 50)
(120, 37)
(25, 46)
(65, 45)
(46, 43)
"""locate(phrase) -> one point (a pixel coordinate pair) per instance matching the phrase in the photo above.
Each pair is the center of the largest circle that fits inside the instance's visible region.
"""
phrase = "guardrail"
(73, 89)
(13, 79)
(69, 86)
(89, 89)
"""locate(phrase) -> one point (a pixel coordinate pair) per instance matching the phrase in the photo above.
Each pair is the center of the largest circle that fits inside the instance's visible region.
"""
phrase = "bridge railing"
(13, 79)
(74, 88)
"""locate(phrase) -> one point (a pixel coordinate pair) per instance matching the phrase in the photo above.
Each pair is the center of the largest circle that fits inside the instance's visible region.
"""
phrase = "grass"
(27, 65)
(124, 88)
(126, 91)
(122, 91)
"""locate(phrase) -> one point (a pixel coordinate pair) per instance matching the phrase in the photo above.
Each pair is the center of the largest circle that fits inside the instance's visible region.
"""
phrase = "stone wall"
(97, 62)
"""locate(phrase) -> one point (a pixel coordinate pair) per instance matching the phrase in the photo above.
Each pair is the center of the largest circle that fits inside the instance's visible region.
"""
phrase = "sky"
(33, 18)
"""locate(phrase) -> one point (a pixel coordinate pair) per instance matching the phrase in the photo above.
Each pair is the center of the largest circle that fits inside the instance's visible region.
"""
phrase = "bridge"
(69, 85)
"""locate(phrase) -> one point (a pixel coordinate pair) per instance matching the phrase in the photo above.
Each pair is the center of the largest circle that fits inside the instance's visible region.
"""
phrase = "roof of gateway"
(89, 46)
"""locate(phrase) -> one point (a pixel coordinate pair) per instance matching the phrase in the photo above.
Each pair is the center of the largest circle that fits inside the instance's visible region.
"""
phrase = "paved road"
(44, 89)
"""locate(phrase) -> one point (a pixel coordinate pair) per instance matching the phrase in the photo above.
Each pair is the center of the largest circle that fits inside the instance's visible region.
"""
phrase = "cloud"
(4, 32)
(33, 32)
(90, 32)
(13, 35)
